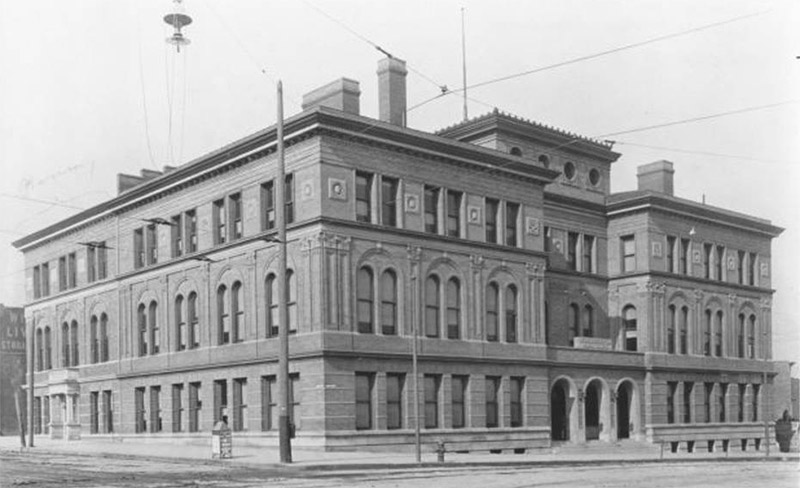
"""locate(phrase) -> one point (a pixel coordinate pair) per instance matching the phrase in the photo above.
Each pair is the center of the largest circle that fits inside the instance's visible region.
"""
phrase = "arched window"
(684, 330)
(48, 348)
(453, 308)
(630, 321)
(492, 311)
(574, 323)
(103, 337)
(141, 318)
(751, 337)
(389, 302)
(65, 362)
(194, 324)
(544, 160)
(432, 306)
(39, 350)
(673, 319)
(364, 299)
(740, 336)
(74, 343)
(718, 335)
(515, 151)
(588, 321)
(237, 311)
(707, 334)
(180, 324)
(511, 313)
(223, 316)
(155, 337)
(94, 340)
(271, 290)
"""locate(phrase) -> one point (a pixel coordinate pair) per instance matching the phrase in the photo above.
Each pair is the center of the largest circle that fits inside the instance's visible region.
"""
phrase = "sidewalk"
(311, 459)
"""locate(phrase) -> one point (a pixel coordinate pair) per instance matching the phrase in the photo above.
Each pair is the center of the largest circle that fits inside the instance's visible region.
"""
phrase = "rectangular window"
(194, 407)
(517, 387)
(684, 257)
(628, 254)
(176, 236)
(91, 270)
(220, 400)
(588, 254)
(235, 208)
(740, 403)
(46, 419)
(548, 239)
(364, 382)
(37, 282)
(155, 409)
(389, 189)
(431, 209)
(431, 387)
(740, 267)
(672, 387)
(492, 211)
(364, 197)
(707, 398)
(708, 250)
(394, 400)
(671, 240)
(294, 400)
(492, 392)
(512, 218)
(572, 250)
(102, 261)
(454, 199)
(267, 206)
(140, 413)
(288, 193)
(37, 415)
(720, 263)
(72, 270)
(722, 394)
(177, 407)
(190, 221)
(751, 272)
(94, 412)
(755, 399)
(269, 407)
(220, 220)
(62, 273)
(459, 396)
(239, 405)
(151, 233)
(46, 279)
(108, 412)
(688, 386)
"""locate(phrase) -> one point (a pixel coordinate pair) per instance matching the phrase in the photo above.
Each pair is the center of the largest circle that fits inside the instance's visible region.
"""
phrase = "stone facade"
(541, 302)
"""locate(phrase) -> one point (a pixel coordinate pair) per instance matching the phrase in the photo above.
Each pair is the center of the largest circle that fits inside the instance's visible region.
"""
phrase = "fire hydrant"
(440, 450)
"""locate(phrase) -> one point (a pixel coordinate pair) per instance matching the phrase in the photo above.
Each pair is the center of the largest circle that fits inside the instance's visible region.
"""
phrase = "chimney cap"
(655, 166)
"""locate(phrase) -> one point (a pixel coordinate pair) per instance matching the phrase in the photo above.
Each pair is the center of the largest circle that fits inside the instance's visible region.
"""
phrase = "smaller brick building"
(12, 366)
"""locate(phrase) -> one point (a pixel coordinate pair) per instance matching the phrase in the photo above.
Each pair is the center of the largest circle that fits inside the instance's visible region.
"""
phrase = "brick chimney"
(392, 91)
(342, 94)
(656, 177)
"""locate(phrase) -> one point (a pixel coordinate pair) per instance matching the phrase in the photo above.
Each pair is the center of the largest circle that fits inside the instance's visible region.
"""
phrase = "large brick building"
(548, 309)
(12, 368)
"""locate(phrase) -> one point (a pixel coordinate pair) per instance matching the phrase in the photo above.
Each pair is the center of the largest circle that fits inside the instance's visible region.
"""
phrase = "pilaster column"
(696, 326)
(477, 264)
(414, 256)
(535, 312)
(763, 345)
(729, 328)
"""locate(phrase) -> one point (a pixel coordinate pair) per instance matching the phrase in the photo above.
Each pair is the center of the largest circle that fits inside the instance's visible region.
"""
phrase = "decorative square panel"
(337, 189)
(731, 263)
(558, 245)
(533, 226)
(474, 214)
(764, 270)
(697, 258)
(306, 190)
(658, 250)
(412, 203)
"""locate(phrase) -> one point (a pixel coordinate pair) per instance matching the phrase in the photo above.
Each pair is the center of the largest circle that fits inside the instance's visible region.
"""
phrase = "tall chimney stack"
(656, 176)
(392, 91)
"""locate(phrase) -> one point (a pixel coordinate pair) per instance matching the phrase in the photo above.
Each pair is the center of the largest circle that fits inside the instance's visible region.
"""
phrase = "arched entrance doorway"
(624, 397)
(559, 411)
(593, 397)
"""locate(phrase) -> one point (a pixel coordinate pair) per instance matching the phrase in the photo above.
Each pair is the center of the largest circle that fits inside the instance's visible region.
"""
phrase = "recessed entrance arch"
(627, 410)
(596, 415)
(562, 415)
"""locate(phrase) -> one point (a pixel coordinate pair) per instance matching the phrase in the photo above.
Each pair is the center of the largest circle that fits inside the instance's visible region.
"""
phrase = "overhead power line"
(706, 153)
(599, 54)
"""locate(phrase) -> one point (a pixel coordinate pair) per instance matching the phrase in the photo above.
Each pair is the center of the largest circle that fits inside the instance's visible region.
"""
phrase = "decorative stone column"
(535, 276)
(477, 264)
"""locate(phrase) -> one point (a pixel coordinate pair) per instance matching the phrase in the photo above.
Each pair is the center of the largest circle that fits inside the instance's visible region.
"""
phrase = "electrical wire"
(706, 153)
(599, 54)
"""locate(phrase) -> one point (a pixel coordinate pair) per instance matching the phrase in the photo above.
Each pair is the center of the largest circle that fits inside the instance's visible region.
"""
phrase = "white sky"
(75, 75)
